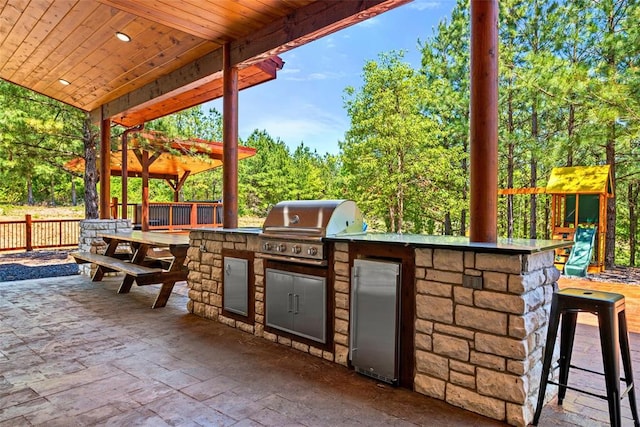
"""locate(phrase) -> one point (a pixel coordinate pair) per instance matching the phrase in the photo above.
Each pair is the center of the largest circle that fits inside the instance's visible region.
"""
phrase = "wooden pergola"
(177, 54)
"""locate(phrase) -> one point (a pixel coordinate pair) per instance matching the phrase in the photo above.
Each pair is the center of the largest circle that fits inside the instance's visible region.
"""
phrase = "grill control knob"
(312, 251)
(281, 247)
(296, 249)
(266, 246)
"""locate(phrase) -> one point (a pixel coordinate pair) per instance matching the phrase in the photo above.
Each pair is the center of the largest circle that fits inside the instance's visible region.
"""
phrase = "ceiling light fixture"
(123, 37)
(64, 82)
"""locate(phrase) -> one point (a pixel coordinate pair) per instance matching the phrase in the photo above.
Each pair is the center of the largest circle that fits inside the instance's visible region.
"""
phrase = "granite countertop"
(239, 230)
(513, 246)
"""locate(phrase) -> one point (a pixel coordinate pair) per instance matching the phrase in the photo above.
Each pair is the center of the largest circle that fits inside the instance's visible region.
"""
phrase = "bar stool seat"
(614, 341)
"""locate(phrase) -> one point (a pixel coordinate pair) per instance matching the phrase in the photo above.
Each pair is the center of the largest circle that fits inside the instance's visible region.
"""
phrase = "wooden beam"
(304, 25)
(230, 141)
(484, 122)
(105, 170)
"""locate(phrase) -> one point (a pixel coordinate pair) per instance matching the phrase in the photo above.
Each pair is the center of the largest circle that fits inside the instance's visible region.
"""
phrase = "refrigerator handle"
(289, 302)
(352, 326)
(296, 303)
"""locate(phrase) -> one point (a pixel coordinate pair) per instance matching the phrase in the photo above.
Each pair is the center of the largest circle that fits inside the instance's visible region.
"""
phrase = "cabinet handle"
(289, 302)
(296, 299)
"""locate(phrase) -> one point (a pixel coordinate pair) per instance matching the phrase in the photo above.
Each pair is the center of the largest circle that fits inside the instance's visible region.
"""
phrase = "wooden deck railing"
(33, 234)
(173, 215)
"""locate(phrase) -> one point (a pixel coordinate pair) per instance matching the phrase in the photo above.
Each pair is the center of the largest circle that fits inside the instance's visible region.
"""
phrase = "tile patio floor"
(74, 353)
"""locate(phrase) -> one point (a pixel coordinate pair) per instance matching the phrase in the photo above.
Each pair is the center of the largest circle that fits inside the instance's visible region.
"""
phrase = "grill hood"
(313, 218)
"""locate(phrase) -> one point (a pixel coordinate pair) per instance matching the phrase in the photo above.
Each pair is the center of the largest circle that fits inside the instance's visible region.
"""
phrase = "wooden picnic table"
(145, 266)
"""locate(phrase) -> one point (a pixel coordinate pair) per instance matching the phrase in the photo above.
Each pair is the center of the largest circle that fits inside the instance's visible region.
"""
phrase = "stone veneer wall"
(481, 349)
(89, 240)
(205, 286)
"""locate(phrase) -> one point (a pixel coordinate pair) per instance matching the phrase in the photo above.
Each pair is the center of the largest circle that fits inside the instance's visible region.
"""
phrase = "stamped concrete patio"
(73, 352)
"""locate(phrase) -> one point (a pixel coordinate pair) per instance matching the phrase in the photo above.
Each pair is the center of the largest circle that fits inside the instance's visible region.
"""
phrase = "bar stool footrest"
(579, 390)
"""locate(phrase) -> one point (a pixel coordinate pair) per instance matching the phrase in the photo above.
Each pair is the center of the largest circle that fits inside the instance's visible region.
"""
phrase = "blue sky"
(306, 101)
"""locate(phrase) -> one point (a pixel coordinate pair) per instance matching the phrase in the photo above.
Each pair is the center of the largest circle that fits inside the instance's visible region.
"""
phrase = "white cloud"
(286, 70)
(317, 128)
(424, 5)
(327, 75)
(368, 23)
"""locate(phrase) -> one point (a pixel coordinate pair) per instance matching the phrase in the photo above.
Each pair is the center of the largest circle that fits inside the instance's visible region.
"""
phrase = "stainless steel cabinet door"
(309, 307)
(236, 285)
(279, 296)
(374, 318)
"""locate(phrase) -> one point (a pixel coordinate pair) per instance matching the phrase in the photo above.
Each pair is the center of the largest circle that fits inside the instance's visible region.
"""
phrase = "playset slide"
(580, 255)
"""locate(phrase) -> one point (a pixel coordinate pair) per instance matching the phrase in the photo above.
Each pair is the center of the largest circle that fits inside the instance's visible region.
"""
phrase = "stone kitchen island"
(472, 318)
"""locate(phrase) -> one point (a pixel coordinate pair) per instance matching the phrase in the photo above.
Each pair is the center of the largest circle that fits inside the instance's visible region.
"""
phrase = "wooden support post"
(124, 176)
(193, 215)
(114, 207)
(28, 233)
(484, 121)
(145, 190)
(105, 168)
(229, 140)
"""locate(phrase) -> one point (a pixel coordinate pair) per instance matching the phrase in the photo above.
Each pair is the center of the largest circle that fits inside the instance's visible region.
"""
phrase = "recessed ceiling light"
(123, 37)
(64, 82)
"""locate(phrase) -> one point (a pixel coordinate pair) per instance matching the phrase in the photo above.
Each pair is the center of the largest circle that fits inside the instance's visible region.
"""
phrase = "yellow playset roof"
(580, 180)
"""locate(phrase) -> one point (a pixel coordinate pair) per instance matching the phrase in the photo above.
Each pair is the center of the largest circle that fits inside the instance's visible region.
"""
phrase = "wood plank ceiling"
(173, 60)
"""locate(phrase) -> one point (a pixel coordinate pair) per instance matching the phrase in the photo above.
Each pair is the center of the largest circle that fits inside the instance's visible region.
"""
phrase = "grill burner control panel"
(295, 249)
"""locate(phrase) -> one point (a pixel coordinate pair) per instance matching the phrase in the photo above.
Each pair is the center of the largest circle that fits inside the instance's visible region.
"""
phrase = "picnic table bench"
(147, 265)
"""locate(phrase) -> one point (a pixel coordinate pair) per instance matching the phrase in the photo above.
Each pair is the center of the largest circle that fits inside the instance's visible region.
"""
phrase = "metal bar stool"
(614, 341)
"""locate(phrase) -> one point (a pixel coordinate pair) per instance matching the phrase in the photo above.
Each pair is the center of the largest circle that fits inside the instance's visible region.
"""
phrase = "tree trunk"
(53, 192)
(74, 196)
(610, 240)
(571, 123)
(90, 171)
(29, 192)
(547, 216)
(447, 224)
(510, 165)
(465, 189)
(610, 250)
(533, 183)
(632, 191)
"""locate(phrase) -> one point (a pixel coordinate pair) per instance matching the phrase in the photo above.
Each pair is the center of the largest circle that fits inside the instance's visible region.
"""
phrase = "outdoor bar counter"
(472, 321)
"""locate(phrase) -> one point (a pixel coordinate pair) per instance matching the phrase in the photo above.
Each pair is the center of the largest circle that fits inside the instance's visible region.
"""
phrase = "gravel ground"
(36, 265)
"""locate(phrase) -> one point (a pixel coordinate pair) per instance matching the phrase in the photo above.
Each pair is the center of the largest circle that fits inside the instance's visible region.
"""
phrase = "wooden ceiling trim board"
(127, 56)
(274, 9)
(206, 17)
(304, 25)
(151, 13)
(81, 30)
(23, 25)
(134, 72)
(243, 17)
(192, 72)
(83, 48)
(148, 78)
(50, 19)
(53, 41)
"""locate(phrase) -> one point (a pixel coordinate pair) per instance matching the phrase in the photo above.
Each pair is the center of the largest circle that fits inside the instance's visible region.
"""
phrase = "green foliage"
(393, 163)
(37, 136)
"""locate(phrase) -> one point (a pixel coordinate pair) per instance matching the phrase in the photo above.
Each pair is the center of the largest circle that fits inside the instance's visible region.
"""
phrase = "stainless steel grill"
(294, 230)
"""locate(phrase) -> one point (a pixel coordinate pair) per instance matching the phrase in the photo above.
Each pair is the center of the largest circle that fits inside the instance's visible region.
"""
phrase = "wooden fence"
(172, 215)
(33, 234)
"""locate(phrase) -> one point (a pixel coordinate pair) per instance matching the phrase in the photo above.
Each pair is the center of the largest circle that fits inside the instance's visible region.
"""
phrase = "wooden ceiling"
(174, 57)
